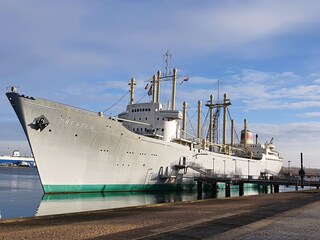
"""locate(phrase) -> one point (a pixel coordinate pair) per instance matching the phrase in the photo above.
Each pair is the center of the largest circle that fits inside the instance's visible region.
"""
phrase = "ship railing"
(198, 168)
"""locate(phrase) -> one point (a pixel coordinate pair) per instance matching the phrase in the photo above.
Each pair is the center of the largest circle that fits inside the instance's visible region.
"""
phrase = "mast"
(211, 123)
(158, 86)
(132, 84)
(216, 126)
(167, 63)
(199, 121)
(184, 121)
(154, 88)
(226, 103)
(174, 80)
(211, 120)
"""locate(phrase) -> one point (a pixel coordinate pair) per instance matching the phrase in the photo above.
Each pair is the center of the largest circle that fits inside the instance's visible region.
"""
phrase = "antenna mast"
(167, 55)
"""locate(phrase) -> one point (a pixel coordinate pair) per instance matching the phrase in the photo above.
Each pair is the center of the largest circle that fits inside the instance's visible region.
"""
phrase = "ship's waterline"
(116, 188)
(132, 187)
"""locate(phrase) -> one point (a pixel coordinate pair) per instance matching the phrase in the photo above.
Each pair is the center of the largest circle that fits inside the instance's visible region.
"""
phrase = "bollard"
(227, 188)
(199, 183)
(199, 188)
(241, 189)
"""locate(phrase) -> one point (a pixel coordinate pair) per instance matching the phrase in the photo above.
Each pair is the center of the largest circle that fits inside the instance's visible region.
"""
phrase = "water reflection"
(81, 202)
(21, 195)
(20, 192)
(67, 203)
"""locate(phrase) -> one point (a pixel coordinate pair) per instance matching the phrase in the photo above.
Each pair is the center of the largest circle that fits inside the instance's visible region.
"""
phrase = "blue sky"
(82, 53)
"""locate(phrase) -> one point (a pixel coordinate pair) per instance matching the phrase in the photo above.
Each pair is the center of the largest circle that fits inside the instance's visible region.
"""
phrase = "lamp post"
(289, 168)
(248, 169)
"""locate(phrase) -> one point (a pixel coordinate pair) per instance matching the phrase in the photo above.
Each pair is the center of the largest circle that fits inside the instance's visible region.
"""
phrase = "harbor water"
(21, 196)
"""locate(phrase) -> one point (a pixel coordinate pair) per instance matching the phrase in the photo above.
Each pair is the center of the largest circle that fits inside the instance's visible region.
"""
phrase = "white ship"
(144, 148)
(16, 159)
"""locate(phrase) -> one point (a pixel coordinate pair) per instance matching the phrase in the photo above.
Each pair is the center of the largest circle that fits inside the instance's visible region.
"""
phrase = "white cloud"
(309, 115)
(256, 89)
(99, 36)
(291, 139)
(194, 80)
(300, 92)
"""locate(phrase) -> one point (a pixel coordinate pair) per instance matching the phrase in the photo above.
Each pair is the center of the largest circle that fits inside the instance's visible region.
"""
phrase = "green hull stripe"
(113, 188)
(128, 187)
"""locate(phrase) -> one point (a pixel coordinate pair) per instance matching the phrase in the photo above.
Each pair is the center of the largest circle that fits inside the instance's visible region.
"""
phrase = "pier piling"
(214, 187)
(227, 188)
(199, 184)
(265, 189)
(241, 189)
(263, 183)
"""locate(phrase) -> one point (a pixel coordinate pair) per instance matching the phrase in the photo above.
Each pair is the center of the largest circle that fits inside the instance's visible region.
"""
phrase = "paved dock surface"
(294, 215)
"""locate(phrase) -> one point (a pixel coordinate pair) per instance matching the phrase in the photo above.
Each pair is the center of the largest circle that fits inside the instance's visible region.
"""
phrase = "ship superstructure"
(144, 148)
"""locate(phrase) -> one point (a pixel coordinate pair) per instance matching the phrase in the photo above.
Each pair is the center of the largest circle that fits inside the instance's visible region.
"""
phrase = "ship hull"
(80, 151)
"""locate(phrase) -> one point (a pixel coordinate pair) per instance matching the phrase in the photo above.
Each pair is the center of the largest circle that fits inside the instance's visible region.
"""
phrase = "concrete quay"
(292, 215)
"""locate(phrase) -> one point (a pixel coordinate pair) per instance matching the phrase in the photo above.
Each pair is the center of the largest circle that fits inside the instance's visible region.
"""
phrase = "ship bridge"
(151, 120)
